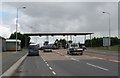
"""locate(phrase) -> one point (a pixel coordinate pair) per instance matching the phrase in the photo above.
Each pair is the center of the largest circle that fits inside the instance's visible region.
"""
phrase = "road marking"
(74, 59)
(103, 59)
(114, 61)
(53, 72)
(98, 67)
(45, 62)
(66, 56)
(48, 65)
(50, 68)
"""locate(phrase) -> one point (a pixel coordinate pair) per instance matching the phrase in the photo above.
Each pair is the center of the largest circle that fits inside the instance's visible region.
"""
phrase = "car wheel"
(67, 52)
(81, 53)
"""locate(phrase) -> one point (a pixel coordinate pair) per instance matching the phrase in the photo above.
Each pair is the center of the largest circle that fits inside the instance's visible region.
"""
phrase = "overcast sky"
(60, 17)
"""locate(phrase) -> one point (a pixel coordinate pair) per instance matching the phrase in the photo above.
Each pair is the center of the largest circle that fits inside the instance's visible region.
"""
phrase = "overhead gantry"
(59, 34)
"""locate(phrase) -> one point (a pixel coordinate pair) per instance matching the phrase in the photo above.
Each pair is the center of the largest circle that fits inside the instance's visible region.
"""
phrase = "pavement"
(59, 64)
(9, 58)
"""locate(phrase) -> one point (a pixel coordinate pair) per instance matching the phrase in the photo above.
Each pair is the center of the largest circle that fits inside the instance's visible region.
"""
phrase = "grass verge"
(111, 48)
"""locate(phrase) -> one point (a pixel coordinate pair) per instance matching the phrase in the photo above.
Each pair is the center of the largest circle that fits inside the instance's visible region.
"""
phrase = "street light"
(109, 27)
(17, 23)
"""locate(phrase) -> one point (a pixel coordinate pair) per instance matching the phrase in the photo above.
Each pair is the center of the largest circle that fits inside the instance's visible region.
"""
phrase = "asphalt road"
(104, 52)
(58, 63)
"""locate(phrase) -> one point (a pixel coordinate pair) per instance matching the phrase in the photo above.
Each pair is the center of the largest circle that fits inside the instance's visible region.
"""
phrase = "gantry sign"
(58, 34)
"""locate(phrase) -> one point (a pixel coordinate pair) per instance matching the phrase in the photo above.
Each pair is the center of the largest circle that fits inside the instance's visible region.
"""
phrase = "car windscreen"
(33, 47)
(47, 47)
(74, 45)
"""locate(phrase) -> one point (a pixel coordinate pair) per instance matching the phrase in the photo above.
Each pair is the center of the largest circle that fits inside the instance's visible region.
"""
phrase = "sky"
(59, 17)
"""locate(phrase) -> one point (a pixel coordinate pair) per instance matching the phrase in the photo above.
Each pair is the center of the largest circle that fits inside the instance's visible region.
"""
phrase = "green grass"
(112, 48)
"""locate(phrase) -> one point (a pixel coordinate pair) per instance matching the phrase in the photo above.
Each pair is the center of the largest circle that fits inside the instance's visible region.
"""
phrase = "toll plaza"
(70, 34)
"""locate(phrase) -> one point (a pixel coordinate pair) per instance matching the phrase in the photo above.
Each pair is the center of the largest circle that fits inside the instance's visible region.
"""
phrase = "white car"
(74, 49)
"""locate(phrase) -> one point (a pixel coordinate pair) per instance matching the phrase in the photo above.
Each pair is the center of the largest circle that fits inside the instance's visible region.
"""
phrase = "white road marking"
(43, 58)
(45, 62)
(53, 72)
(66, 56)
(50, 68)
(98, 67)
(74, 59)
(103, 59)
(114, 61)
(48, 65)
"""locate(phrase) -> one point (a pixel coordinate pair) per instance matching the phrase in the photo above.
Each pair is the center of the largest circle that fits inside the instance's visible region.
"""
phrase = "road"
(58, 63)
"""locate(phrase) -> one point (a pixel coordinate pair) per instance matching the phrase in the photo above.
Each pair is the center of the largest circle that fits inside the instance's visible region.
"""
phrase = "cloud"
(63, 17)
(4, 32)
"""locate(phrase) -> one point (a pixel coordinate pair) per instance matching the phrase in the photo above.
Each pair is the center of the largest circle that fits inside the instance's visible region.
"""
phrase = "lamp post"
(17, 23)
(109, 28)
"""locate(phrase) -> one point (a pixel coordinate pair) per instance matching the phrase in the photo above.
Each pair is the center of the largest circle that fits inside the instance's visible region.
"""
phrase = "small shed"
(2, 44)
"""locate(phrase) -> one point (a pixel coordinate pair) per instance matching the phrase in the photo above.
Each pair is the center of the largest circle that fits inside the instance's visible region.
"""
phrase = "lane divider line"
(48, 66)
(97, 67)
(53, 72)
(45, 62)
(74, 59)
(102, 58)
(13, 68)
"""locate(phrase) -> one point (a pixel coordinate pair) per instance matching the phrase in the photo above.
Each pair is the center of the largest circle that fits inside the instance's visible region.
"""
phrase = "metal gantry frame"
(59, 34)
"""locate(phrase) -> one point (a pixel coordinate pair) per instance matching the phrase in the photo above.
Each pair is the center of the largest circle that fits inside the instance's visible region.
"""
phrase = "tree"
(24, 39)
(60, 43)
(46, 43)
(98, 42)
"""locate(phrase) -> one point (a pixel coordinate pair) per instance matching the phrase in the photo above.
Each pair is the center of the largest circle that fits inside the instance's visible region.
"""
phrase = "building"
(2, 44)
(11, 44)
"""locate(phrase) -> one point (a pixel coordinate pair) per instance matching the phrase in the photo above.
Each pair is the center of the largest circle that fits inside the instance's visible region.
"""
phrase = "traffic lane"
(100, 63)
(33, 66)
(96, 61)
(111, 66)
(74, 68)
(106, 57)
(105, 53)
(64, 66)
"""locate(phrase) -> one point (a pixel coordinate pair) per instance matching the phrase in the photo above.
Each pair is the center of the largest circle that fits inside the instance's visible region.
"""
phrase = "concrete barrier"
(12, 69)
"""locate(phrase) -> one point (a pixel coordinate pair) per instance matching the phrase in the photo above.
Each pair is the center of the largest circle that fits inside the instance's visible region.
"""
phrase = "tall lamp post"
(17, 23)
(109, 28)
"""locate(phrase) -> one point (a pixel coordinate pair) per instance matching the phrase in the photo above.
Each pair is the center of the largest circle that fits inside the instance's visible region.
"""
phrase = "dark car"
(84, 47)
(74, 49)
(41, 48)
(33, 50)
(47, 48)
